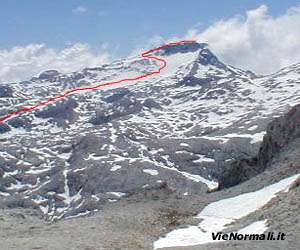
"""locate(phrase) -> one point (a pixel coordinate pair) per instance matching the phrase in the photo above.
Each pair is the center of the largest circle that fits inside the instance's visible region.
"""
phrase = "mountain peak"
(205, 56)
(182, 48)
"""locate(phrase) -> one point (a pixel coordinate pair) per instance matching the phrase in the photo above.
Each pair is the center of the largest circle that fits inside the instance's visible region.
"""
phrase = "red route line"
(69, 92)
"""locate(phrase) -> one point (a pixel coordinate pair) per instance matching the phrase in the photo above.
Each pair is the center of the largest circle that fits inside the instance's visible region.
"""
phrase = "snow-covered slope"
(219, 215)
(178, 128)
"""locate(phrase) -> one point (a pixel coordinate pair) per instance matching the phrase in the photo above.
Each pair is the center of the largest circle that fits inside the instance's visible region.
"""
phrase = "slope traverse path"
(146, 54)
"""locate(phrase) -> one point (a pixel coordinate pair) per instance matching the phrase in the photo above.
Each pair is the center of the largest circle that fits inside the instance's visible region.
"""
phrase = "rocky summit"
(199, 126)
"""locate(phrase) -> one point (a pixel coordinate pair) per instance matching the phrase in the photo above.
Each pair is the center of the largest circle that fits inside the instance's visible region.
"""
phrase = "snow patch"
(257, 227)
(203, 158)
(118, 194)
(115, 168)
(150, 171)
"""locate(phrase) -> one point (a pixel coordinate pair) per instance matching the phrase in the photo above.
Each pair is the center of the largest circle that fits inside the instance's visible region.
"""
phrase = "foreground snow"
(257, 227)
(217, 215)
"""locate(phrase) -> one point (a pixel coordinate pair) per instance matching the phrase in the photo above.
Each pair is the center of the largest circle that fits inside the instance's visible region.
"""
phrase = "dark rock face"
(49, 74)
(182, 48)
(151, 103)
(5, 91)
(194, 81)
(76, 181)
(120, 103)
(238, 172)
(17, 202)
(207, 57)
(83, 146)
(63, 110)
(100, 117)
(4, 128)
(1, 172)
(18, 122)
(280, 133)
(123, 106)
(117, 96)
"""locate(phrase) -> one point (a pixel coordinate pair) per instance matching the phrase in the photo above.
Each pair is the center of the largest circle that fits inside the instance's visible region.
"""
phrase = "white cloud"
(21, 63)
(257, 41)
(80, 10)
(151, 43)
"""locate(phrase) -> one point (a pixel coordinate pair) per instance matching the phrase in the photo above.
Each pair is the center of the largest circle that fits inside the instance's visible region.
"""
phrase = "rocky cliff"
(281, 136)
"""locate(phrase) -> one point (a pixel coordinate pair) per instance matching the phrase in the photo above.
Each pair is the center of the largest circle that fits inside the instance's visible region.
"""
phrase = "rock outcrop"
(5, 91)
(280, 133)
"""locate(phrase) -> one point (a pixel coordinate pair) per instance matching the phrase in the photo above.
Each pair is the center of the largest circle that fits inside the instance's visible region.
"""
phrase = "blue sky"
(68, 35)
(122, 24)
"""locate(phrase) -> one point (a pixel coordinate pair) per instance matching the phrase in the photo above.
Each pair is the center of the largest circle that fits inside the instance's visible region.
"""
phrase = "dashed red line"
(146, 54)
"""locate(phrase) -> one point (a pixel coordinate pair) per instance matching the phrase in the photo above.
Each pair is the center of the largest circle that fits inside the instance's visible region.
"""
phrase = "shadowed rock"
(280, 133)
(151, 103)
(182, 48)
(49, 74)
(4, 128)
(117, 96)
(123, 107)
(18, 122)
(63, 110)
(5, 91)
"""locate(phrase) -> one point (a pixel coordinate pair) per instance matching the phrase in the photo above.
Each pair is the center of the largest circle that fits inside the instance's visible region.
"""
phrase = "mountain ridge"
(182, 128)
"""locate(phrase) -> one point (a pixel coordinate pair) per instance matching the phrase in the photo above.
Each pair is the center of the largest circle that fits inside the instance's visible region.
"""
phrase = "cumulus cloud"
(256, 41)
(21, 63)
(80, 10)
